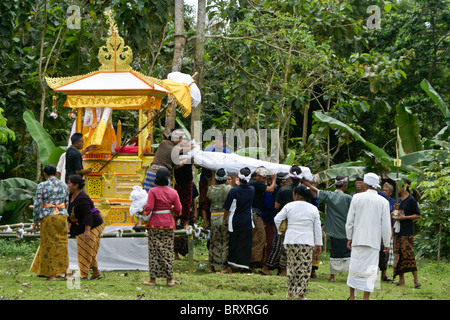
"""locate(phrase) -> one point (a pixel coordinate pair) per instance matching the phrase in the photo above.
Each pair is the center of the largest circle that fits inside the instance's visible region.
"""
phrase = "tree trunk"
(180, 42)
(198, 64)
(41, 81)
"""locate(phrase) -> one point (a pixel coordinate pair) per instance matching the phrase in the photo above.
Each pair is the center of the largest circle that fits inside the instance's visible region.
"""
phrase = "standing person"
(163, 159)
(404, 235)
(303, 237)
(184, 187)
(74, 157)
(238, 214)
(218, 244)
(368, 222)
(359, 184)
(161, 201)
(283, 197)
(258, 181)
(204, 203)
(50, 210)
(388, 259)
(273, 254)
(338, 203)
(86, 225)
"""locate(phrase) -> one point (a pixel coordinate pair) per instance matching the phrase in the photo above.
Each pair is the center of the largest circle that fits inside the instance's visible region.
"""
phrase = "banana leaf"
(290, 158)
(428, 88)
(55, 155)
(40, 136)
(379, 153)
(333, 172)
(16, 194)
(408, 130)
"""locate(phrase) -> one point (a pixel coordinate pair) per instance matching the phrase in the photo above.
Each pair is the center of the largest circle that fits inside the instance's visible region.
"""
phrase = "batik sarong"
(258, 241)
(160, 253)
(298, 269)
(405, 260)
(52, 257)
(87, 251)
(218, 245)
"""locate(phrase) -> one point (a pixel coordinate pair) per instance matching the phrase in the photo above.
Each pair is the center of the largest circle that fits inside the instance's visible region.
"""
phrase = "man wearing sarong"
(274, 246)
(163, 159)
(337, 203)
(368, 222)
(184, 186)
(404, 235)
(50, 210)
(258, 181)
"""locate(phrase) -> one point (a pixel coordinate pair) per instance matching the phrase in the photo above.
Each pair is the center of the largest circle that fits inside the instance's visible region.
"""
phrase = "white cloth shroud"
(233, 162)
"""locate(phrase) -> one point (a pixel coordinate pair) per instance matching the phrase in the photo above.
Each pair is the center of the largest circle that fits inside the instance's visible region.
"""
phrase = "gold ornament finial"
(114, 55)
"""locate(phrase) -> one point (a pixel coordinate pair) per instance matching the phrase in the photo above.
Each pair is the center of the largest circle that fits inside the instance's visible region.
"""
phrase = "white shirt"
(368, 220)
(303, 225)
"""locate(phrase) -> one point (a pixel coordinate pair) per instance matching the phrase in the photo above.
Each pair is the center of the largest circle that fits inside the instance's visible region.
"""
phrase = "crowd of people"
(257, 220)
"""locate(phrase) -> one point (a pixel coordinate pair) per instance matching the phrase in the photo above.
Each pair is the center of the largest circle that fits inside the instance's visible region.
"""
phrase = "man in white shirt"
(368, 223)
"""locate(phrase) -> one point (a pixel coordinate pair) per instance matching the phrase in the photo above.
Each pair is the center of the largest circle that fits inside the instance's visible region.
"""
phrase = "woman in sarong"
(50, 210)
(161, 199)
(218, 244)
(238, 215)
(303, 237)
(86, 225)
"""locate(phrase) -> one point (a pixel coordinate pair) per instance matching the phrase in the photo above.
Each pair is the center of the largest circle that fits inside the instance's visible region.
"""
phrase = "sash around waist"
(161, 211)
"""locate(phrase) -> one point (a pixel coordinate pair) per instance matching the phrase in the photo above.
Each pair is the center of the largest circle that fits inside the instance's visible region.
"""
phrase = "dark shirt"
(183, 175)
(409, 207)
(74, 162)
(82, 212)
(258, 199)
(285, 195)
(242, 217)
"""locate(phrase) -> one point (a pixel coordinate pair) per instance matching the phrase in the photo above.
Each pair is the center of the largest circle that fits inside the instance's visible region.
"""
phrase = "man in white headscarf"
(368, 223)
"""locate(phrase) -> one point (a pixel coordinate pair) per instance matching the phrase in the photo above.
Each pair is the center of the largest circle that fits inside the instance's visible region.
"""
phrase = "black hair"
(359, 179)
(295, 169)
(221, 173)
(303, 191)
(76, 136)
(162, 177)
(78, 180)
(50, 169)
(245, 171)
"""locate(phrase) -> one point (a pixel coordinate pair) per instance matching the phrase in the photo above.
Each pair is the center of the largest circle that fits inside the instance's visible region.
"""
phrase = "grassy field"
(18, 283)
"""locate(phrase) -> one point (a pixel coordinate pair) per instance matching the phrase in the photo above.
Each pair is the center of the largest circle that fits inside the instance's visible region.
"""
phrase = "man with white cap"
(368, 223)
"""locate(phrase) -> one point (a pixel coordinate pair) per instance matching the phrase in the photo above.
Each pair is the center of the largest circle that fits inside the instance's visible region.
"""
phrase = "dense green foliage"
(339, 93)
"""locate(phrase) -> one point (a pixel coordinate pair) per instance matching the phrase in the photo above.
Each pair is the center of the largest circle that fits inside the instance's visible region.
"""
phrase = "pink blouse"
(160, 202)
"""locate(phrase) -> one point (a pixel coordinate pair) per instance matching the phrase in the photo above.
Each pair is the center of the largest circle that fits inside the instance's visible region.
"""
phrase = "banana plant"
(49, 153)
(16, 194)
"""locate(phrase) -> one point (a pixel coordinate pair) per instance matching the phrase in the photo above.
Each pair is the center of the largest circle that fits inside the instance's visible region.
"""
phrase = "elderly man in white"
(368, 223)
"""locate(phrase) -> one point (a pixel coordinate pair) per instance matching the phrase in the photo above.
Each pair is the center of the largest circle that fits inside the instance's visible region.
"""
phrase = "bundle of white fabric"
(139, 200)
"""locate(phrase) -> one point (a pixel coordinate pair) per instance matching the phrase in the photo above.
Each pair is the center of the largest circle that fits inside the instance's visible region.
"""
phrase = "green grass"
(18, 283)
